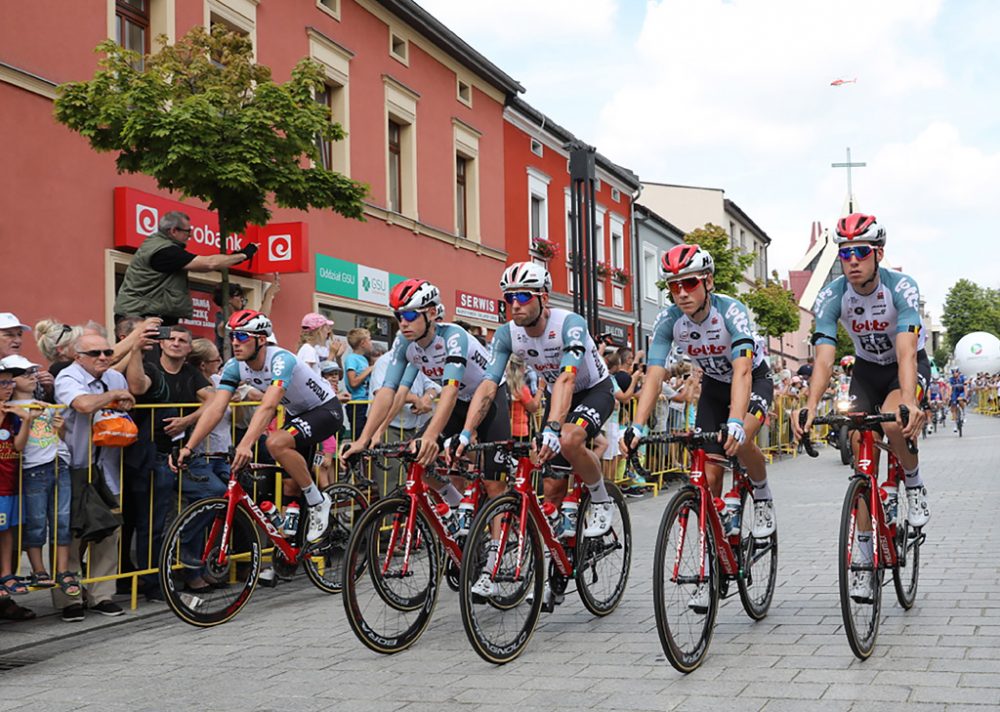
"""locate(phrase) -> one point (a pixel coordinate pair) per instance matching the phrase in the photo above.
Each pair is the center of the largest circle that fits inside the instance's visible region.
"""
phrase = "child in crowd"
(45, 478)
(328, 450)
(10, 425)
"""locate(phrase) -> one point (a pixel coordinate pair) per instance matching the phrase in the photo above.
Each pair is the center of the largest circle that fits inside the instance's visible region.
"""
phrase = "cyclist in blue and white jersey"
(313, 411)
(880, 310)
(556, 343)
(451, 357)
(957, 384)
(719, 336)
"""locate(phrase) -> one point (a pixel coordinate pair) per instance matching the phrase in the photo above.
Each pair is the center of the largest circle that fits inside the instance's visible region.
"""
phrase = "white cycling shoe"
(917, 511)
(861, 587)
(599, 519)
(319, 519)
(699, 599)
(484, 586)
(763, 519)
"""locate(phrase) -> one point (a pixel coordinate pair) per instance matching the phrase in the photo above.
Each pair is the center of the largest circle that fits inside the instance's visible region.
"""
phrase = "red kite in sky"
(841, 82)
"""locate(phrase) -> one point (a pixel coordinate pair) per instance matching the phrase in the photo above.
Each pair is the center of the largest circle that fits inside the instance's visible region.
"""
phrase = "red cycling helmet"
(250, 322)
(685, 260)
(858, 227)
(414, 294)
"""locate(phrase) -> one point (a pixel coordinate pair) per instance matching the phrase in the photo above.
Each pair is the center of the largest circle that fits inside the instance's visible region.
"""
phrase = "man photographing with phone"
(156, 282)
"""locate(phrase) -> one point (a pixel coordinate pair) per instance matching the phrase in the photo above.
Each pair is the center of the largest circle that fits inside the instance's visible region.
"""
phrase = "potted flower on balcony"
(546, 249)
(603, 270)
(621, 276)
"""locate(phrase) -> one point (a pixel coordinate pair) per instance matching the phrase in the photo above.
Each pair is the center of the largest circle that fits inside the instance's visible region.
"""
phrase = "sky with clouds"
(736, 94)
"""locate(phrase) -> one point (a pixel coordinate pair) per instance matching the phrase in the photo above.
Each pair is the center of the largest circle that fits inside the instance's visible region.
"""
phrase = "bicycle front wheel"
(906, 573)
(499, 625)
(860, 582)
(390, 598)
(844, 445)
(758, 563)
(202, 585)
(325, 563)
(685, 583)
(603, 563)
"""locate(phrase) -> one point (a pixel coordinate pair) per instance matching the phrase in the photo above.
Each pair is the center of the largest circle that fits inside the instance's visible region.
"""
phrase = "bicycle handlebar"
(854, 421)
(691, 439)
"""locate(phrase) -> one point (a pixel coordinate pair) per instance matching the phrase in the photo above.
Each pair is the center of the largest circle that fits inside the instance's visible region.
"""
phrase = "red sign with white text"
(476, 306)
(283, 246)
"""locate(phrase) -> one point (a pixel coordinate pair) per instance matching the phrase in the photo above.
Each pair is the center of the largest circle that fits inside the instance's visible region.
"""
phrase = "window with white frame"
(330, 7)
(650, 274)
(617, 241)
(463, 92)
(616, 195)
(133, 24)
(401, 148)
(538, 205)
(399, 48)
(240, 16)
(466, 181)
(537, 148)
(335, 61)
(599, 255)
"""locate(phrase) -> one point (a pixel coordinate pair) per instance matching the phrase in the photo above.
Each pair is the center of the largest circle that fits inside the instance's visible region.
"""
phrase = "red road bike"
(896, 545)
(398, 552)
(500, 625)
(211, 556)
(694, 551)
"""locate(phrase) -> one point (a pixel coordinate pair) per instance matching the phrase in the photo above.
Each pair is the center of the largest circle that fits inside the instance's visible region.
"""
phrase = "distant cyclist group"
(891, 374)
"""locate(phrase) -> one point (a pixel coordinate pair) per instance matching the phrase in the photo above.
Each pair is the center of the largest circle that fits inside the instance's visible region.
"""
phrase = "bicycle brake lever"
(805, 440)
(904, 417)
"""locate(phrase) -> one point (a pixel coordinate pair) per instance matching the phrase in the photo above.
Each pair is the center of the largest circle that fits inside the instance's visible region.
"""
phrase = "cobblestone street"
(292, 650)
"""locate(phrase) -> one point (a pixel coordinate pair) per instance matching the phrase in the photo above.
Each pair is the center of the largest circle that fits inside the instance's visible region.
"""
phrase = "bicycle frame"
(706, 513)
(883, 555)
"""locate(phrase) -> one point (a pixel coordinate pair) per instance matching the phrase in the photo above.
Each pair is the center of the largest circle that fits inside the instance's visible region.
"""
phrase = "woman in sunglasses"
(880, 309)
(717, 333)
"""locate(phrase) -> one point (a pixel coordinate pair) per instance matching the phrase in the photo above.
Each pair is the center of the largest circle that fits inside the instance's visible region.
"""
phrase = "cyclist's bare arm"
(212, 413)
(479, 406)
(906, 356)
(401, 398)
(739, 392)
(822, 368)
(562, 396)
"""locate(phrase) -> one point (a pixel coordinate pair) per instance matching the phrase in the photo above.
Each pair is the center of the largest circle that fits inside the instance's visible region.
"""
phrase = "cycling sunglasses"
(408, 315)
(689, 284)
(241, 336)
(858, 251)
(519, 297)
(94, 353)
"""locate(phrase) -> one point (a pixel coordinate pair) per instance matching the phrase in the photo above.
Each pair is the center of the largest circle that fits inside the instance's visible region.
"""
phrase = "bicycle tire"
(385, 620)
(324, 565)
(844, 445)
(685, 652)
(484, 622)
(758, 564)
(961, 421)
(906, 572)
(861, 618)
(606, 559)
(219, 601)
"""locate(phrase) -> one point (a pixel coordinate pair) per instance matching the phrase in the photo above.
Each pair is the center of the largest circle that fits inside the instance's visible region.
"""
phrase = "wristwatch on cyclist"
(554, 425)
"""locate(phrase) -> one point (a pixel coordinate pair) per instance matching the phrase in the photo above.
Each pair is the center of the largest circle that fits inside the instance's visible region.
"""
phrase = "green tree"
(730, 263)
(203, 119)
(774, 307)
(969, 307)
(941, 357)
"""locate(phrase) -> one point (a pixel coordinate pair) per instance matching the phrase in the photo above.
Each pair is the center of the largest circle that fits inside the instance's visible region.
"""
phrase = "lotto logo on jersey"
(278, 366)
(738, 318)
(868, 325)
(706, 350)
(454, 348)
(909, 291)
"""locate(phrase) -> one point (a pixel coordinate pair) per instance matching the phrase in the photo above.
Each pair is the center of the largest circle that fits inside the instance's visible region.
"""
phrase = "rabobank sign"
(354, 281)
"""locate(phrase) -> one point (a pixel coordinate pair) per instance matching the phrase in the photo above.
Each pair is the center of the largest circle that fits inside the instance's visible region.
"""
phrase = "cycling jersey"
(872, 320)
(957, 384)
(453, 357)
(304, 389)
(565, 345)
(725, 334)
(934, 392)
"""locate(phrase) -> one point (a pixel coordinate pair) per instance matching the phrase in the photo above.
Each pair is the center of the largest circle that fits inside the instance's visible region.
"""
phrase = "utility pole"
(583, 214)
(850, 188)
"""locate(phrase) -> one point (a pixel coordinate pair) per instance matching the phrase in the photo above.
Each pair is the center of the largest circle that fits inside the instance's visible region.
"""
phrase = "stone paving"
(291, 649)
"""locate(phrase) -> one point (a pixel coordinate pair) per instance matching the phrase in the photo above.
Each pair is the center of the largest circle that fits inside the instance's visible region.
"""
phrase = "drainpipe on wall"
(637, 281)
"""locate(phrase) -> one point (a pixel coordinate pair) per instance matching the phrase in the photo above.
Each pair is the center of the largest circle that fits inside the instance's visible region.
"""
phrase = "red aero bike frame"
(896, 545)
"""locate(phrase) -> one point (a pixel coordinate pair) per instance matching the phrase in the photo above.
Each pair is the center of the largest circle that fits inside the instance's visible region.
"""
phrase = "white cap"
(16, 361)
(9, 321)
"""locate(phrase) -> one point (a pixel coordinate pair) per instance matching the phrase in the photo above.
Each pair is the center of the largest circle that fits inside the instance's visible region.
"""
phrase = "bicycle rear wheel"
(906, 573)
(758, 564)
(860, 613)
(325, 564)
(685, 630)
(499, 626)
(390, 598)
(198, 587)
(602, 563)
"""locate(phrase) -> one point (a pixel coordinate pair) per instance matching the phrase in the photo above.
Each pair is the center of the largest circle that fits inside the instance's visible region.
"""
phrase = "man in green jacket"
(156, 282)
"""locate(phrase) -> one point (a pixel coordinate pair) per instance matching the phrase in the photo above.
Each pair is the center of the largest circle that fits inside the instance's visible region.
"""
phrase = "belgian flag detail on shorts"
(582, 422)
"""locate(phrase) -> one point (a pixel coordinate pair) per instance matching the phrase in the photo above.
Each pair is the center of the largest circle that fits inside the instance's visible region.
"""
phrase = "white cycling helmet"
(858, 227)
(685, 260)
(414, 294)
(525, 276)
(250, 322)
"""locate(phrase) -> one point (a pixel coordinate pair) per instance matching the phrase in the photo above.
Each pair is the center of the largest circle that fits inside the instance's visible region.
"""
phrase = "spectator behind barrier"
(357, 371)
(10, 427)
(86, 386)
(156, 282)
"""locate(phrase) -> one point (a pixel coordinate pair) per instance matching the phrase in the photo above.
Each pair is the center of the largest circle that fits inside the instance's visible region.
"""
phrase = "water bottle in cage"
(291, 519)
(272, 514)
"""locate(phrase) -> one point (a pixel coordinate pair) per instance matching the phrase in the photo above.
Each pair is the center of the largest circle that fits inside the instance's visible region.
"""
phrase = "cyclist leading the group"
(313, 411)
(879, 309)
(717, 333)
(556, 343)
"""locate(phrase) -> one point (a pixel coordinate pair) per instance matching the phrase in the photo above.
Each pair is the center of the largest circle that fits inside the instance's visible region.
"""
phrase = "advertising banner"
(476, 306)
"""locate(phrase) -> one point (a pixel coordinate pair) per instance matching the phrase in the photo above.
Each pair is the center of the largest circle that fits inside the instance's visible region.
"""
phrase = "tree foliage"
(968, 308)
(203, 119)
(942, 355)
(774, 307)
(845, 347)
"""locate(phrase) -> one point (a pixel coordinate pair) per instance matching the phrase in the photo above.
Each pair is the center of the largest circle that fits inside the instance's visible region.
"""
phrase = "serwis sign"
(476, 306)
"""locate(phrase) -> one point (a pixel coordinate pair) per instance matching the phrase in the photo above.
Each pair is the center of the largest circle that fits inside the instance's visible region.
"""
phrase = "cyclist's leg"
(711, 415)
(588, 412)
(916, 494)
(450, 492)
